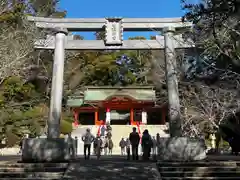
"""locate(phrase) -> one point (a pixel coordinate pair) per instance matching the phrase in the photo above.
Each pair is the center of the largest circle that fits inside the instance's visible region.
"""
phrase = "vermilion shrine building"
(117, 105)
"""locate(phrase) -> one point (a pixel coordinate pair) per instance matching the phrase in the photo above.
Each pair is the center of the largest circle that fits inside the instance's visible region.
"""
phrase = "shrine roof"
(119, 87)
(143, 93)
(104, 93)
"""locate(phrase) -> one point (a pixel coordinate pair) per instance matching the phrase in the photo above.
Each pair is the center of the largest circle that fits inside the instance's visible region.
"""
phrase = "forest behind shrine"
(209, 74)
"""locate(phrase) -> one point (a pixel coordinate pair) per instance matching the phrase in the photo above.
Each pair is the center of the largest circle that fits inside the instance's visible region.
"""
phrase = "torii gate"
(114, 29)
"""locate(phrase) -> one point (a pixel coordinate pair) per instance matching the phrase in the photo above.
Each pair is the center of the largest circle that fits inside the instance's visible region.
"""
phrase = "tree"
(23, 103)
(215, 69)
(19, 108)
(206, 107)
(16, 40)
(216, 30)
(103, 67)
(46, 8)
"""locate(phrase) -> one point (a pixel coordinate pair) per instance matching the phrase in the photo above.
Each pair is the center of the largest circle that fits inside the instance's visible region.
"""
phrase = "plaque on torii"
(113, 32)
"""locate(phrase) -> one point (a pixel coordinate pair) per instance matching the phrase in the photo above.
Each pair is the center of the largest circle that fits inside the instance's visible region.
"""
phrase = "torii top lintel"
(97, 24)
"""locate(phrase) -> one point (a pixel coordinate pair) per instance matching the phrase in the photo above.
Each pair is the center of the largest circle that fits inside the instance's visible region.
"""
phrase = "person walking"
(87, 138)
(146, 145)
(122, 145)
(71, 145)
(105, 145)
(20, 146)
(128, 146)
(158, 143)
(95, 143)
(102, 130)
(154, 146)
(98, 146)
(110, 146)
(76, 145)
(134, 140)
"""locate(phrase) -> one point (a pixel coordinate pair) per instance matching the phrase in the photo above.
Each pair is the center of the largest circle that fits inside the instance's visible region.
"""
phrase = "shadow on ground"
(111, 169)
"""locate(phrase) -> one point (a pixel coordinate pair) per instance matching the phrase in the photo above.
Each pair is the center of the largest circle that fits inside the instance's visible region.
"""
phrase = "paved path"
(9, 159)
(111, 168)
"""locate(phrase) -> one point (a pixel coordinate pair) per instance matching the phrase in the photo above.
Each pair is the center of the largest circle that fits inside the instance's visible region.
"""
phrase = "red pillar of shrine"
(132, 116)
(96, 117)
(76, 115)
(108, 116)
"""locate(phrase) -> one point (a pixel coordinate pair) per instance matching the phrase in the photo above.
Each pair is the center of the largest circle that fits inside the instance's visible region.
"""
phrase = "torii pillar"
(52, 148)
(176, 147)
(175, 123)
(53, 130)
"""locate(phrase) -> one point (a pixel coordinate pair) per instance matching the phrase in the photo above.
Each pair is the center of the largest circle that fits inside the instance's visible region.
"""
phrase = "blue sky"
(121, 8)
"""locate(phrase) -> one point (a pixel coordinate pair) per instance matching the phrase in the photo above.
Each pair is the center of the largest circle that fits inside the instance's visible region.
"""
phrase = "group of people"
(100, 144)
(130, 145)
(104, 144)
(147, 142)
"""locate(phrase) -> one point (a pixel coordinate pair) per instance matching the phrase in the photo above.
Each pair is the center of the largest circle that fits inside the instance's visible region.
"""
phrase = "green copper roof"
(99, 94)
(74, 102)
(142, 93)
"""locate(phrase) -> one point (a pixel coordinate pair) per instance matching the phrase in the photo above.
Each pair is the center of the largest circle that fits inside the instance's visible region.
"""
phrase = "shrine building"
(117, 106)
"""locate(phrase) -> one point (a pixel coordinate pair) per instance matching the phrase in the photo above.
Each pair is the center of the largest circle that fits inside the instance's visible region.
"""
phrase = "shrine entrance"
(86, 118)
(120, 117)
(172, 30)
(118, 106)
(122, 109)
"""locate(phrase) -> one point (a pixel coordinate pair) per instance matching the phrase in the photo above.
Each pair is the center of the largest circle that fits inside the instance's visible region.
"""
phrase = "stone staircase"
(32, 171)
(123, 131)
(119, 132)
(203, 170)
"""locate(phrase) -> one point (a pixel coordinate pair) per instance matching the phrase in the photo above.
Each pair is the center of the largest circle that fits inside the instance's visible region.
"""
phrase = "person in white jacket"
(87, 138)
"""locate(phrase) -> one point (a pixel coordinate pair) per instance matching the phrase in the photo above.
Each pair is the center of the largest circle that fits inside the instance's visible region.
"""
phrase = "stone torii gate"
(114, 29)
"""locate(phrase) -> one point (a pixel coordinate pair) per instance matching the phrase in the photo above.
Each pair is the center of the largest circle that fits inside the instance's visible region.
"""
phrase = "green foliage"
(17, 114)
(65, 127)
(217, 30)
(14, 89)
(23, 108)
(222, 144)
(13, 14)
(46, 8)
(100, 68)
(12, 139)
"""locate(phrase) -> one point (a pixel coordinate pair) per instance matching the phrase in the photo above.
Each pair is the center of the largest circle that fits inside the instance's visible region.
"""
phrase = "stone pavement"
(111, 168)
(9, 159)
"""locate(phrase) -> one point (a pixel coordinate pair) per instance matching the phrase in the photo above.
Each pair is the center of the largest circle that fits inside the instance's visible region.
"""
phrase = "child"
(128, 145)
(122, 145)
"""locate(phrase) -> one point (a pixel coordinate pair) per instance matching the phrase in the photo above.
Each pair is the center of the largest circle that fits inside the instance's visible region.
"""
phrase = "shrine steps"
(118, 132)
(34, 171)
(123, 131)
(214, 170)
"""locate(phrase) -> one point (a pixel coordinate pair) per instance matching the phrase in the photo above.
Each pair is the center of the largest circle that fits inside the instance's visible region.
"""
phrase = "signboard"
(114, 31)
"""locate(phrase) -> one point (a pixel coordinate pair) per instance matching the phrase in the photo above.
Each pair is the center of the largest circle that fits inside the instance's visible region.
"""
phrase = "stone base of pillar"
(182, 149)
(45, 150)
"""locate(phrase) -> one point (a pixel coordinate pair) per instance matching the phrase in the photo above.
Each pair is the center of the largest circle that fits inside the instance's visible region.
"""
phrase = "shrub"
(65, 127)
(11, 139)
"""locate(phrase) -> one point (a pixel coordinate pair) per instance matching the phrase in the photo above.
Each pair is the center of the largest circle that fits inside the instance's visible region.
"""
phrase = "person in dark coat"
(102, 130)
(134, 140)
(110, 146)
(146, 145)
(76, 145)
